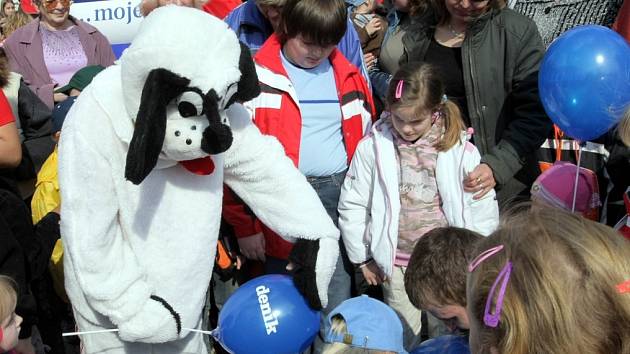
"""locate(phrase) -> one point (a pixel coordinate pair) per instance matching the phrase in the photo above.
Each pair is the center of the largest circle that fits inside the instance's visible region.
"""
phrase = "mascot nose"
(217, 137)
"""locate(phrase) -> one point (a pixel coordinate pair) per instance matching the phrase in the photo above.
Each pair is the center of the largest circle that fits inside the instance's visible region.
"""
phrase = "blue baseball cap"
(59, 113)
(370, 324)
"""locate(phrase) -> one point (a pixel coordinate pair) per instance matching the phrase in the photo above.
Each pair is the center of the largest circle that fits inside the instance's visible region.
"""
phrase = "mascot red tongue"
(139, 231)
(202, 166)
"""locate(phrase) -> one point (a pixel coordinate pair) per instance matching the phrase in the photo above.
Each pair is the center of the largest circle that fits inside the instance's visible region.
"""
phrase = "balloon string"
(577, 174)
(68, 334)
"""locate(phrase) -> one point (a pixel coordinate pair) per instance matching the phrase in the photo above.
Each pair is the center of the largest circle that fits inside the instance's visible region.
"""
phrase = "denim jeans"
(328, 189)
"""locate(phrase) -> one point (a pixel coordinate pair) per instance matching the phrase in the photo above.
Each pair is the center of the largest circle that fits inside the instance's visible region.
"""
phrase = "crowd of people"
(420, 126)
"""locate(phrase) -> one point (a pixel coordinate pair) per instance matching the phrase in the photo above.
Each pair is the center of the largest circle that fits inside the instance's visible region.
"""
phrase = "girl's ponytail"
(453, 125)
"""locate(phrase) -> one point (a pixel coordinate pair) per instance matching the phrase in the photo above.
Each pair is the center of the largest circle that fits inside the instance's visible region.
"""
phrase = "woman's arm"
(528, 124)
(10, 148)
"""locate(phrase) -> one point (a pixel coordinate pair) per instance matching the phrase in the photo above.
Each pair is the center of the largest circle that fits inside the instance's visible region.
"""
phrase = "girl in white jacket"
(405, 179)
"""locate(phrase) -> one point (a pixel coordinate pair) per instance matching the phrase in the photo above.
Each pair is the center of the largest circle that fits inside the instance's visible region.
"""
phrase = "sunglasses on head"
(52, 4)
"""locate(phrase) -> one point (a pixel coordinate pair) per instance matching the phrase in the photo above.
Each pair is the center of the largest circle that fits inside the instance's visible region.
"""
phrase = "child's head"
(363, 325)
(9, 321)
(416, 99)
(555, 187)
(310, 30)
(361, 6)
(435, 279)
(271, 10)
(548, 281)
(58, 116)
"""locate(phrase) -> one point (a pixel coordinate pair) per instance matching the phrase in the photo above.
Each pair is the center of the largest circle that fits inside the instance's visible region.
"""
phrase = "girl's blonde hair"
(15, 21)
(339, 327)
(8, 296)
(623, 128)
(422, 89)
(561, 295)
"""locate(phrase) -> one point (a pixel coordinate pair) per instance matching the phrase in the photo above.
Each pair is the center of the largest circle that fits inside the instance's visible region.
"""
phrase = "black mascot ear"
(160, 88)
(248, 87)
(217, 137)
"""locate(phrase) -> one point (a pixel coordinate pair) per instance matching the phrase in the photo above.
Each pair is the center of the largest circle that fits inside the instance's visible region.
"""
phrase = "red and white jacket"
(276, 112)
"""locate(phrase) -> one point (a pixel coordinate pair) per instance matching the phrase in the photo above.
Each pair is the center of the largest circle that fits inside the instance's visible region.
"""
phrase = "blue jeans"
(328, 189)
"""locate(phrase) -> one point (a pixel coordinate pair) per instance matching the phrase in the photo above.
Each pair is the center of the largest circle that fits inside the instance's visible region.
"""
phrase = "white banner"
(118, 20)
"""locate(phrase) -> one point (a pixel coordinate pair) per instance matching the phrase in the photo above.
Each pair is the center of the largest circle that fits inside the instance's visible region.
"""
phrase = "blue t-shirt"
(322, 151)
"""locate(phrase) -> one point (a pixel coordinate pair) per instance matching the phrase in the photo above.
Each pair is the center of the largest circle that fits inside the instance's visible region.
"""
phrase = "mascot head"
(183, 69)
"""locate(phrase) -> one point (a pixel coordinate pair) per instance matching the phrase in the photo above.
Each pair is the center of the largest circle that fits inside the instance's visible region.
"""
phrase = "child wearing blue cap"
(363, 325)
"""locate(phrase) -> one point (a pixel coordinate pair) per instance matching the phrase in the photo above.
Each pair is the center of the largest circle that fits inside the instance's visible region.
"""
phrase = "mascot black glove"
(314, 263)
(303, 258)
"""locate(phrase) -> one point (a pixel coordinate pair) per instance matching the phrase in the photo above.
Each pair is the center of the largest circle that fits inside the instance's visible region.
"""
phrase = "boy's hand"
(370, 60)
(253, 247)
(372, 273)
(59, 97)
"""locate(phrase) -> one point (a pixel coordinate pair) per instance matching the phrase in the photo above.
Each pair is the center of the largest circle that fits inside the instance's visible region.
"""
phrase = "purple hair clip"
(483, 256)
(399, 89)
(491, 319)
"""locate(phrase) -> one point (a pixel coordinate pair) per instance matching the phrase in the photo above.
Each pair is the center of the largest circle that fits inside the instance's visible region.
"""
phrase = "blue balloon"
(584, 81)
(267, 315)
(448, 344)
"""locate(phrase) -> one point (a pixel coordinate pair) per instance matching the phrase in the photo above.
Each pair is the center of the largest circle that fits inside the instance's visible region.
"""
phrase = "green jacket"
(501, 56)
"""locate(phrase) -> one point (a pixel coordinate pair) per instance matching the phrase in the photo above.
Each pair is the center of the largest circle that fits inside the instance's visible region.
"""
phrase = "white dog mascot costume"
(139, 228)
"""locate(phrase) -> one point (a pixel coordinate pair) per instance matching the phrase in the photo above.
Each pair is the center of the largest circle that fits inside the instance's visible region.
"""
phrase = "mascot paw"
(313, 266)
(157, 322)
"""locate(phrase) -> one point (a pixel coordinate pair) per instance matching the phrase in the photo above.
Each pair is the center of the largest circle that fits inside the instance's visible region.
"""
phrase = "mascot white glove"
(156, 322)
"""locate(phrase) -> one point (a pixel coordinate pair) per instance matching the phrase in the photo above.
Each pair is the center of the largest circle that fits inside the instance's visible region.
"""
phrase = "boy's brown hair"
(436, 272)
(561, 296)
(322, 22)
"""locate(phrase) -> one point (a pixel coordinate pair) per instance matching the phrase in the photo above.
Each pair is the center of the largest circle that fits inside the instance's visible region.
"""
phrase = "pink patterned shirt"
(420, 203)
(63, 53)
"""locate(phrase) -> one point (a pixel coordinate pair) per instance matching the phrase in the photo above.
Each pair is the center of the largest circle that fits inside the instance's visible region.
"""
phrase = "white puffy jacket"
(369, 205)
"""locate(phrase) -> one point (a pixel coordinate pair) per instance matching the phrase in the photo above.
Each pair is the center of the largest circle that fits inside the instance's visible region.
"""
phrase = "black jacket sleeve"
(13, 263)
(527, 123)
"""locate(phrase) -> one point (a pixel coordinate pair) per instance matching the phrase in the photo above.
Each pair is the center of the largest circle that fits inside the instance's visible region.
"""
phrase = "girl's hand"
(480, 181)
(372, 273)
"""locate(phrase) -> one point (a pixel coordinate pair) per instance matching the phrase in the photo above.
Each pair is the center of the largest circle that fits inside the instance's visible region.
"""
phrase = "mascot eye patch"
(187, 109)
(190, 103)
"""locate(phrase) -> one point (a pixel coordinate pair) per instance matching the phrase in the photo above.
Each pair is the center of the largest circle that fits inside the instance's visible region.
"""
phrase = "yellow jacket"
(45, 199)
